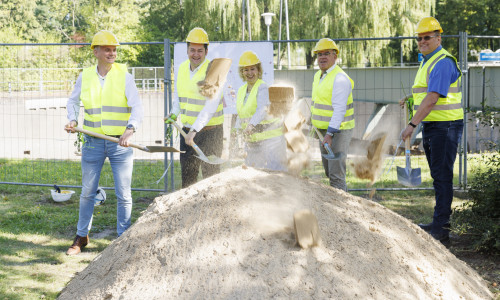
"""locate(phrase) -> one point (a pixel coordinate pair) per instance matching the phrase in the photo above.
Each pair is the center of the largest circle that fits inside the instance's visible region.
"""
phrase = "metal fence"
(36, 80)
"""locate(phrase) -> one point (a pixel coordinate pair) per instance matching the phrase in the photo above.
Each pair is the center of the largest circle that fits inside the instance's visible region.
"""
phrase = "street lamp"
(268, 19)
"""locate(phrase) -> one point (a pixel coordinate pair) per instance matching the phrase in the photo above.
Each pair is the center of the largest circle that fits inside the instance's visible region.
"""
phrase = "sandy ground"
(231, 236)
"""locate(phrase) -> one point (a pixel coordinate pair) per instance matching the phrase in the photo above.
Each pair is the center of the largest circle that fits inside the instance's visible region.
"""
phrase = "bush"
(480, 217)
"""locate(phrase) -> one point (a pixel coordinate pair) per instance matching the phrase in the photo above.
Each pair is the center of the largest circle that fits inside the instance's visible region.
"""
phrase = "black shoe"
(444, 238)
(426, 227)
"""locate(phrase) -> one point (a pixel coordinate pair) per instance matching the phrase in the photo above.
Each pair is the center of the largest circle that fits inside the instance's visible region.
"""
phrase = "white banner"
(264, 51)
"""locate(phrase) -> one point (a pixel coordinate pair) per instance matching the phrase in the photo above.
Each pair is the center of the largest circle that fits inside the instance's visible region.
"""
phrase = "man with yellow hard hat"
(201, 117)
(112, 107)
(437, 105)
(332, 109)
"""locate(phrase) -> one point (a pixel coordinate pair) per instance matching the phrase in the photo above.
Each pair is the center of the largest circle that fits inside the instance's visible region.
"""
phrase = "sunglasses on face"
(425, 38)
(323, 54)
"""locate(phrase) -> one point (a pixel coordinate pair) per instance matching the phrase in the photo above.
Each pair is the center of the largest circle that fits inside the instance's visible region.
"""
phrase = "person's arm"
(262, 104)
(342, 88)
(206, 113)
(137, 114)
(73, 105)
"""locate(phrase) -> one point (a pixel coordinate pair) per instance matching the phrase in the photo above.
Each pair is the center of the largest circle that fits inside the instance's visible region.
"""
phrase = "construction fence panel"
(36, 80)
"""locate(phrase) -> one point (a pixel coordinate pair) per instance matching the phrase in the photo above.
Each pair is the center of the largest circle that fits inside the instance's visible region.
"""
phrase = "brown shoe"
(78, 244)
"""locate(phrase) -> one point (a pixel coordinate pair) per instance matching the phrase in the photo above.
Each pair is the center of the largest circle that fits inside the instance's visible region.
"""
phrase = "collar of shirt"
(323, 74)
(428, 56)
(197, 68)
(99, 75)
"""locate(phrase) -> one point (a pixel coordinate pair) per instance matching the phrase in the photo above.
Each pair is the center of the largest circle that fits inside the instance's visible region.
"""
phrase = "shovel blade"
(212, 159)
(334, 156)
(409, 177)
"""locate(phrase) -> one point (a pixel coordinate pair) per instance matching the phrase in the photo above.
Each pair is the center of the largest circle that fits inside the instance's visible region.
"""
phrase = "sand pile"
(231, 236)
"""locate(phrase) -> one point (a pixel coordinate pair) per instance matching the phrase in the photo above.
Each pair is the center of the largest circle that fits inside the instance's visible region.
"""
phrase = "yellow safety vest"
(446, 109)
(266, 129)
(190, 100)
(106, 108)
(322, 109)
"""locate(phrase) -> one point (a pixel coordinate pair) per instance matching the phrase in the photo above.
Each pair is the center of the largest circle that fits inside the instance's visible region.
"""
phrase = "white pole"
(243, 20)
(287, 33)
(248, 18)
(279, 35)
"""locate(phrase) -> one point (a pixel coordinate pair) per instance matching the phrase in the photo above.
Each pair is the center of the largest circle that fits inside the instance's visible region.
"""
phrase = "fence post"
(463, 52)
(167, 108)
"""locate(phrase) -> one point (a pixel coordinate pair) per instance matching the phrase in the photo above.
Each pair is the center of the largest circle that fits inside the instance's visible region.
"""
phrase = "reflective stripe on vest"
(267, 128)
(322, 109)
(446, 109)
(106, 108)
(190, 100)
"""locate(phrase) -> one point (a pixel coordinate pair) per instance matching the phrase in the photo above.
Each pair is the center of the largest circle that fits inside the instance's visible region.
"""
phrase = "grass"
(35, 231)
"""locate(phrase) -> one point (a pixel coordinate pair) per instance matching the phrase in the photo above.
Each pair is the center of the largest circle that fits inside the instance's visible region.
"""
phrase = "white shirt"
(262, 104)
(340, 93)
(131, 93)
(208, 110)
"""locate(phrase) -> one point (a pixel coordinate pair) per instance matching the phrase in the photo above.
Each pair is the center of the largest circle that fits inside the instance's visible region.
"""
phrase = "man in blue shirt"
(437, 104)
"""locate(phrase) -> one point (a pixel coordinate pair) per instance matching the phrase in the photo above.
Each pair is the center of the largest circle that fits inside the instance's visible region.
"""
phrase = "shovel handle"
(182, 132)
(407, 141)
(109, 138)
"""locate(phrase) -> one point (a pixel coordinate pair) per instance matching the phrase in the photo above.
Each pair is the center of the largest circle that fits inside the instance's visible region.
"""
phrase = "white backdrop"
(264, 51)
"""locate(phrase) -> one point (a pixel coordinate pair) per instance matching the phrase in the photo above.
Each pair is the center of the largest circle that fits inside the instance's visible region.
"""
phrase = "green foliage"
(476, 17)
(480, 217)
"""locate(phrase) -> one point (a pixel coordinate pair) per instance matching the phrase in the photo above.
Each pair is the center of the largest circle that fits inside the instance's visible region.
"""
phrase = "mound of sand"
(231, 236)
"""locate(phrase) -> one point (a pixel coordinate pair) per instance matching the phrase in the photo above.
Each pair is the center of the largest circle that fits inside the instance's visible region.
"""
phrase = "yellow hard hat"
(428, 24)
(325, 44)
(248, 58)
(104, 38)
(198, 36)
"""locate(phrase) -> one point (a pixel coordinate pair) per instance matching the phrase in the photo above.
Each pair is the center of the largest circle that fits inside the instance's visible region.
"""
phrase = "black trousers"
(210, 142)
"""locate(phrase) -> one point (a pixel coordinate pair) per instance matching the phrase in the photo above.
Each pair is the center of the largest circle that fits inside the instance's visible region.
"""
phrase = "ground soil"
(231, 236)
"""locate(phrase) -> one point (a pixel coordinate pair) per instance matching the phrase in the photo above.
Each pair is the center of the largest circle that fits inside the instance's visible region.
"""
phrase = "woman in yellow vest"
(265, 144)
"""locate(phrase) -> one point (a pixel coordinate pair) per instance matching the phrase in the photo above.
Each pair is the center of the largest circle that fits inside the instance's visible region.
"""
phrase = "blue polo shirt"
(445, 72)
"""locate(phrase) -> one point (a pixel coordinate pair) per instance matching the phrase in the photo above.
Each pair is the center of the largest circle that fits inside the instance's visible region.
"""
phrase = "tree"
(476, 17)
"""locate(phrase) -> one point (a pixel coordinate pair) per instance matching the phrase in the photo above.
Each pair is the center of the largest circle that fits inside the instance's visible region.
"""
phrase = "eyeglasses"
(425, 38)
(323, 54)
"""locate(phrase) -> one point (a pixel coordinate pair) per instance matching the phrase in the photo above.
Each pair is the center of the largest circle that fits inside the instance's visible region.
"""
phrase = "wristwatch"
(412, 125)
(329, 133)
(130, 126)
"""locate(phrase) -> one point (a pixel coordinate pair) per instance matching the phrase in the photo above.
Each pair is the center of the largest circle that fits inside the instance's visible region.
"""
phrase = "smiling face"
(429, 45)
(196, 54)
(326, 59)
(105, 54)
(250, 74)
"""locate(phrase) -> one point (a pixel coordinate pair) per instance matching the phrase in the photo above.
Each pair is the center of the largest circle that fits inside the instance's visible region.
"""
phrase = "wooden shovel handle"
(109, 138)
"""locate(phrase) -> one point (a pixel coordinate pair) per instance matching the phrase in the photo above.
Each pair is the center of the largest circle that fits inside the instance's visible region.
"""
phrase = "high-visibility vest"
(321, 108)
(106, 108)
(267, 128)
(446, 109)
(190, 100)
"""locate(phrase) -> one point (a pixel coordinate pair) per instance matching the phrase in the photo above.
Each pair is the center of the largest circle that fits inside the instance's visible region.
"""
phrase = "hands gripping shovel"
(408, 176)
(212, 159)
(330, 155)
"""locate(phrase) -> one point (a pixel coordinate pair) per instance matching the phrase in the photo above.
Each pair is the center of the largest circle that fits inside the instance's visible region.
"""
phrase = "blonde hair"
(259, 69)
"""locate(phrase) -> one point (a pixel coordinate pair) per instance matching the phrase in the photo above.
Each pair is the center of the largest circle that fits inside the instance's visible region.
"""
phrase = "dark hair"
(206, 46)
(437, 32)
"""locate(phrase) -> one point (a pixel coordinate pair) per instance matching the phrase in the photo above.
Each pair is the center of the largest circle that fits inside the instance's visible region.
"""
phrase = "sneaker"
(78, 244)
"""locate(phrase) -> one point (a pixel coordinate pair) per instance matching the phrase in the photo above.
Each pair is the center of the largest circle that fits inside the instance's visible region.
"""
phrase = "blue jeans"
(441, 141)
(94, 153)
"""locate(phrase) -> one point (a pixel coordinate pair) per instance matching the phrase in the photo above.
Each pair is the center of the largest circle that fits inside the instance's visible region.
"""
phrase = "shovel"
(116, 140)
(330, 155)
(408, 176)
(212, 159)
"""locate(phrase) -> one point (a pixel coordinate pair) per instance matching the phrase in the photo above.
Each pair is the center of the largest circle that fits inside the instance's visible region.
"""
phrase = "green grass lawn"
(35, 231)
